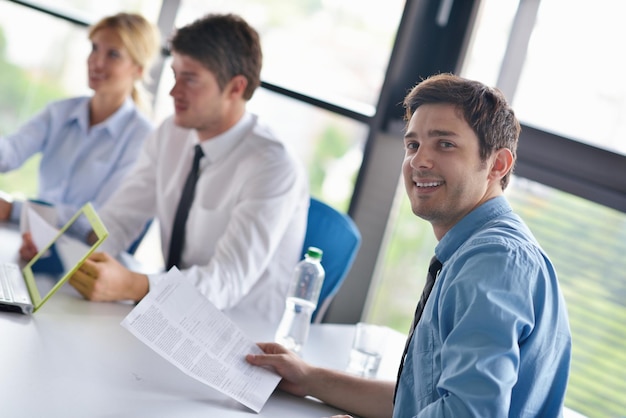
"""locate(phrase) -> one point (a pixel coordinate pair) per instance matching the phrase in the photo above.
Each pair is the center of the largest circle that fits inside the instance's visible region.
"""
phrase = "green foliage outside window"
(21, 95)
(332, 145)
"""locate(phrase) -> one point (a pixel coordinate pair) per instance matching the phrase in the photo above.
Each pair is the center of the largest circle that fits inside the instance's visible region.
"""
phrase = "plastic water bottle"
(301, 302)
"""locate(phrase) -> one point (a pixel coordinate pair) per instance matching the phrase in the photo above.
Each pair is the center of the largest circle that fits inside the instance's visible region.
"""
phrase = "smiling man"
(490, 336)
(230, 200)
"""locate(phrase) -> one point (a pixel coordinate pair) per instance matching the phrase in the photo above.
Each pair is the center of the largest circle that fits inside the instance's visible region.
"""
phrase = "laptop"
(20, 292)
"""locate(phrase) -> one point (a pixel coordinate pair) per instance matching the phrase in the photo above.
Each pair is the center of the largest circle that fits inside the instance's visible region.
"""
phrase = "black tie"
(178, 231)
(433, 270)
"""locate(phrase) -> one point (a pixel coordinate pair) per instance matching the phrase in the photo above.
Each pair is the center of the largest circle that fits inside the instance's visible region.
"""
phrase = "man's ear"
(502, 163)
(237, 86)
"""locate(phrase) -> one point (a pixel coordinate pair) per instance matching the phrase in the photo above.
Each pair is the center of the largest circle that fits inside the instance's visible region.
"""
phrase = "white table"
(73, 359)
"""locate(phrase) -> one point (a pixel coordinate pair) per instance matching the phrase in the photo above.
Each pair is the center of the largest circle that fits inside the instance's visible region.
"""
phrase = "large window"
(329, 145)
(333, 50)
(34, 71)
(37, 69)
(87, 10)
(571, 80)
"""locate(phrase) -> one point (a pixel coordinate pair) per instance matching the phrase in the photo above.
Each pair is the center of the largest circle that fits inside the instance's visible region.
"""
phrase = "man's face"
(199, 103)
(443, 174)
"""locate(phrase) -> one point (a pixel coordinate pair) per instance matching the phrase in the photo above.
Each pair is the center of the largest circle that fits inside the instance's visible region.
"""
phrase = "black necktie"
(433, 270)
(178, 231)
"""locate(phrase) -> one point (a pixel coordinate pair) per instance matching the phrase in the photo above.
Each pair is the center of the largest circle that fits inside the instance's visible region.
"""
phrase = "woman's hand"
(28, 249)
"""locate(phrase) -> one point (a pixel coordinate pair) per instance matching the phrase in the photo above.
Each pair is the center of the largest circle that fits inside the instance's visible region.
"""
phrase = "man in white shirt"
(247, 220)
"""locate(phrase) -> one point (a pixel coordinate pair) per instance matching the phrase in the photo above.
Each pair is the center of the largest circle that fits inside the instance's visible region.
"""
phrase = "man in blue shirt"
(493, 339)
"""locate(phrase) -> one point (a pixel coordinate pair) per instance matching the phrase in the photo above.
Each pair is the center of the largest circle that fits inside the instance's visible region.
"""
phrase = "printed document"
(180, 324)
(40, 221)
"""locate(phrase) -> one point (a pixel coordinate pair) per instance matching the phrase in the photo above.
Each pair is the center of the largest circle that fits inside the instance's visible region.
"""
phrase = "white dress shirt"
(246, 225)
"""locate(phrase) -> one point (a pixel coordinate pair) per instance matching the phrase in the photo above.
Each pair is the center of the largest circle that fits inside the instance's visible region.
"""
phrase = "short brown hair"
(226, 45)
(484, 108)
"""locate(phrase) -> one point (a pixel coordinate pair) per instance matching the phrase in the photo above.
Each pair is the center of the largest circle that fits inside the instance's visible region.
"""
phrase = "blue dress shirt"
(494, 338)
(79, 164)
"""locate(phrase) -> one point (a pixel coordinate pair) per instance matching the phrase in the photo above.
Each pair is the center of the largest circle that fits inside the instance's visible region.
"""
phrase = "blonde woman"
(89, 143)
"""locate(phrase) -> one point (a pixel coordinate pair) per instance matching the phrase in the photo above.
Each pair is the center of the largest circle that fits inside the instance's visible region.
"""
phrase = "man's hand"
(102, 278)
(362, 396)
(28, 249)
(5, 209)
(287, 364)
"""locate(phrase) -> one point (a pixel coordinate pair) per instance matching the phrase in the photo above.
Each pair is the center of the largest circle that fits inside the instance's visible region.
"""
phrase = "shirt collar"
(220, 145)
(80, 114)
(114, 124)
(467, 226)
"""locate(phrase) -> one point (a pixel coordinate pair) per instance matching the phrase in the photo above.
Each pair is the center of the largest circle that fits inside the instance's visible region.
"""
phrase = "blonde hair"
(142, 41)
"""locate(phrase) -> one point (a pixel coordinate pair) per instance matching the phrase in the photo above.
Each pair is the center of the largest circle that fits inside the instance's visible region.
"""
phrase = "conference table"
(72, 358)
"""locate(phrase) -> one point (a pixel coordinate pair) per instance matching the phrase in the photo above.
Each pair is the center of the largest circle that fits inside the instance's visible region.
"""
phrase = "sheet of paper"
(41, 230)
(180, 324)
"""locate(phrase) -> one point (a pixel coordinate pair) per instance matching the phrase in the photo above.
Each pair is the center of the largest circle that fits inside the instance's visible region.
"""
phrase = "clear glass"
(572, 81)
(577, 71)
(330, 146)
(337, 51)
(368, 349)
(93, 10)
(489, 40)
(586, 243)
(36, 69)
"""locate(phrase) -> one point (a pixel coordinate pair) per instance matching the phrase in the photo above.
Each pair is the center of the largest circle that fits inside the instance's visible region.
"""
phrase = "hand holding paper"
(180, 324)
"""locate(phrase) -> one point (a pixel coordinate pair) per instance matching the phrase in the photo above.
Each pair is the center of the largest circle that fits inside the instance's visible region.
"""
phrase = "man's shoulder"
(505, 241)
(506, 231)
(264, 134)
(266, 142)
(271, 156)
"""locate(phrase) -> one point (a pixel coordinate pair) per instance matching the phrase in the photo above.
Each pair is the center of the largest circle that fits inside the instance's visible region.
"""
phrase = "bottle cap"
(314, 252)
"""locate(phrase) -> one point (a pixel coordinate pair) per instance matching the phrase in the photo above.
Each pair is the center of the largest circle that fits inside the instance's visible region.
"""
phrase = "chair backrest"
(135, 244)
(338, 237)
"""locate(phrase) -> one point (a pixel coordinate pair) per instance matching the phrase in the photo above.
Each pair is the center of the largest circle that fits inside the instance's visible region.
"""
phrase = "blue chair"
(338, 237)
(135, 244)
